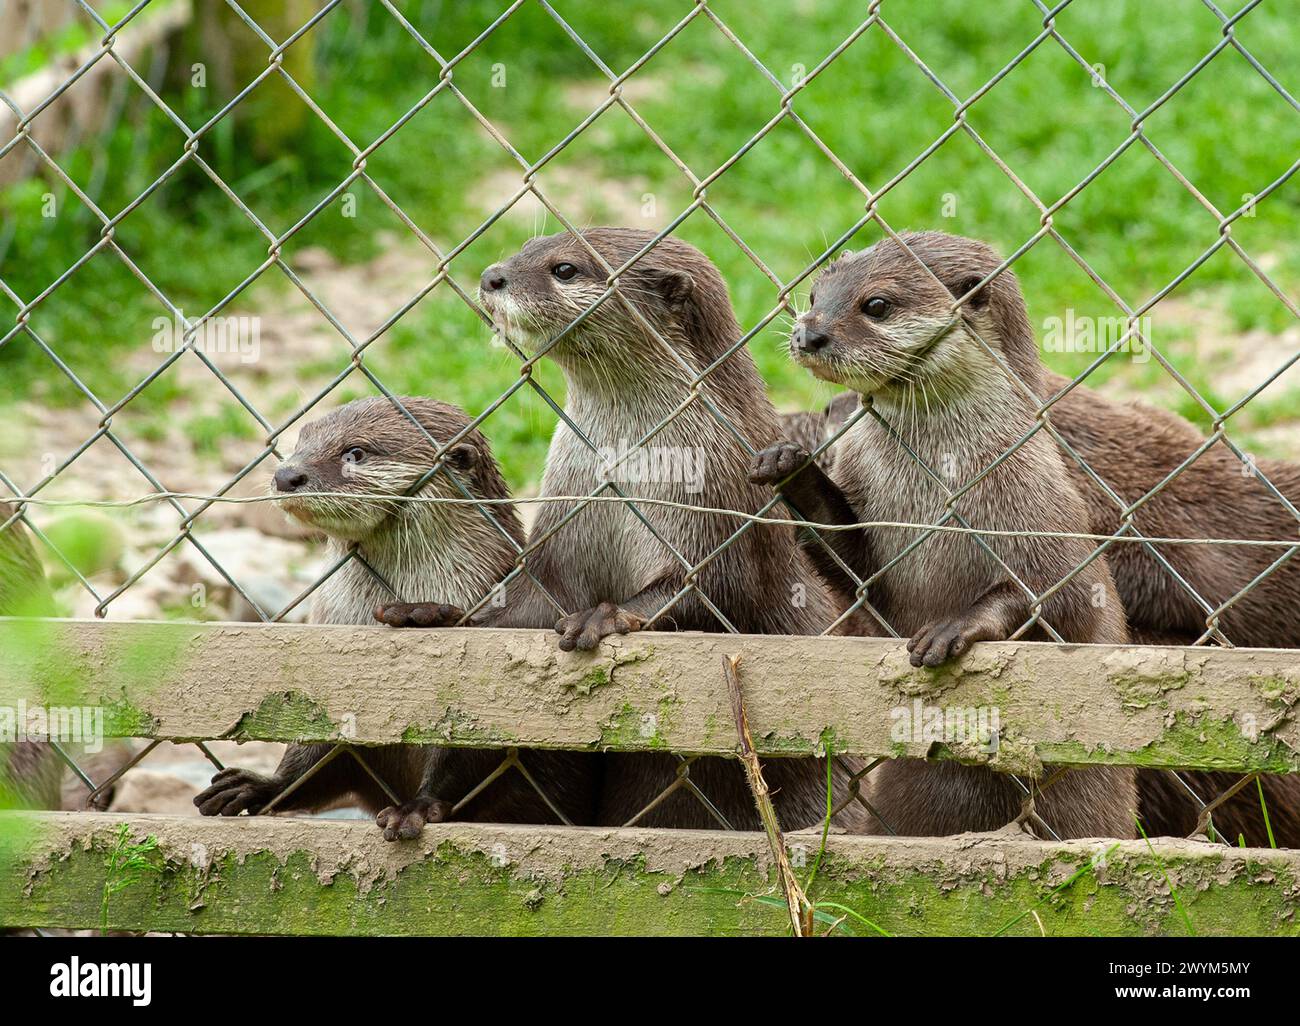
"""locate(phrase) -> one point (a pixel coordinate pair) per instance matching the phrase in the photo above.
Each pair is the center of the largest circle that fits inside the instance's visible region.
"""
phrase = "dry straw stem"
(796, 900)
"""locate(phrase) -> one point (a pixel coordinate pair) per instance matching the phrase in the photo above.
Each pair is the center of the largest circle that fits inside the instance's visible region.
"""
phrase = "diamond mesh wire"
(146, 87)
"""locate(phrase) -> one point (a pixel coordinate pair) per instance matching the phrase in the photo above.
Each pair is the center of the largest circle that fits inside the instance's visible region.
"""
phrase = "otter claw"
(938, 642)
(405, 821)
(419, 614)
(234, 790)
(777, 462)
(585, 630)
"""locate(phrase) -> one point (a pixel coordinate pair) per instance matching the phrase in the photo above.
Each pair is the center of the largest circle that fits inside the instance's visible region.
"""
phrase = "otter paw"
(937, 642)
(405, 821)
(584, 630)
(419, 614)
(234, 790)
(777, 462)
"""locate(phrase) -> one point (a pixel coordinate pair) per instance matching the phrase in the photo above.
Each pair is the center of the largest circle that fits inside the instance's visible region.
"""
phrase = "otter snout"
(493, 280)
(289, 479)
(808, 338)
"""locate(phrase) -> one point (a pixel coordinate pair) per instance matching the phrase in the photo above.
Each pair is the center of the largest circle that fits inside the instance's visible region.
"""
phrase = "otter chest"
(936, 575)
(607, 551)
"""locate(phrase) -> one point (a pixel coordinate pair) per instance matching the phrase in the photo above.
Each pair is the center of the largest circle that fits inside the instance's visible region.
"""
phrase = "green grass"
(206, 431)
(1227, 131)
(126, 864)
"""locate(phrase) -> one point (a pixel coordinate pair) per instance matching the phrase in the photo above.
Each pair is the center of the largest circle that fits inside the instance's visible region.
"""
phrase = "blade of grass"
(796, 901)
(1160, 863)
(856, 915)
(826, 824)
(1263, 806)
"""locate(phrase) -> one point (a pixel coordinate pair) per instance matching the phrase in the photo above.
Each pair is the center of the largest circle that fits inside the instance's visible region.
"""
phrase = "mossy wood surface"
(1145, 706)
(304, 876)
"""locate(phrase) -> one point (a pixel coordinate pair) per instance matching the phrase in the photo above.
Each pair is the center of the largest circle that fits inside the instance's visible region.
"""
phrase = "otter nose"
(289, 479)
(493, 279)
(809, 339)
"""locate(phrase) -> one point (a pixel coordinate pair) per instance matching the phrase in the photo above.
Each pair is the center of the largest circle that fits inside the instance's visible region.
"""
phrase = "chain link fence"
(140, 83)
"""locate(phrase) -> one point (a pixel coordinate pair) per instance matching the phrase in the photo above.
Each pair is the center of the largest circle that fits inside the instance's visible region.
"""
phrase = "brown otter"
(876, 327)
(1133, 448)
(31, 772)
(367, 448)
(1210, 498)
(611, 569)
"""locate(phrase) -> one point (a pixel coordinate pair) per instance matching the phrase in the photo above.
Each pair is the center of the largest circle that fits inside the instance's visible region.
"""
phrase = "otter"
(370, 448)
(879, 330)
(611, 570)
(31, 772)
(1133, 448)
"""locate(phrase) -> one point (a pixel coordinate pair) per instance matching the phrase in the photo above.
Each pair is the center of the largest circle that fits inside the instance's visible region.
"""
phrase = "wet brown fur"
(420, 550)
(955, 409)
(621, 382)
(1133, 448)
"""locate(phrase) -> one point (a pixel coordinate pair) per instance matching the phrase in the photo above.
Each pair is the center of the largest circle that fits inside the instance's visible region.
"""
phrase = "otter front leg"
(448, 773)
(419, 614)
(407, 820)
(233, 790)
(992, 617)
(584, 630)
(790, 469)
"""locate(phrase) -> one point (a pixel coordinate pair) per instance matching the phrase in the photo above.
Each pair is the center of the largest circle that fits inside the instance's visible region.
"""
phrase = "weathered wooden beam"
(306, 876)
(1173, 707)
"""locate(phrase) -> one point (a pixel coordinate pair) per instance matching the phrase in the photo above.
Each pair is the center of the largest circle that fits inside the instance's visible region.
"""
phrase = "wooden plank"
(311, 876)
(1173, 707)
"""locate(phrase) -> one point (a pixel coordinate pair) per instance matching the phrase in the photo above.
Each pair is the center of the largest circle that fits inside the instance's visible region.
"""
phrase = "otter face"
(541, 290)
(366, 449)
(881, 325)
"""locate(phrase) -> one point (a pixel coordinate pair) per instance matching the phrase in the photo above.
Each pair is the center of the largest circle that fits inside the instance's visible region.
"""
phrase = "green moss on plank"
(1209, 743)
(462, 889)
(632, 729)
(454, 892)
(124, 719)
(596, 677)
(1281, 693)
(456, 728)
(288, 714)
(1192, 742)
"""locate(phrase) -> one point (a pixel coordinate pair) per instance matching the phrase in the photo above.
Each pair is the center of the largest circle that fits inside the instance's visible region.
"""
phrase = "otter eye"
(354, 455)
(564, 271)
(876, 307)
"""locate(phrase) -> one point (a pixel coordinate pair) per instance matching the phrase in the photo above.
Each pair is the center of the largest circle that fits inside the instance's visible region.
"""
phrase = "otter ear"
(675, 286)
(981, 298)
(463, 457)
